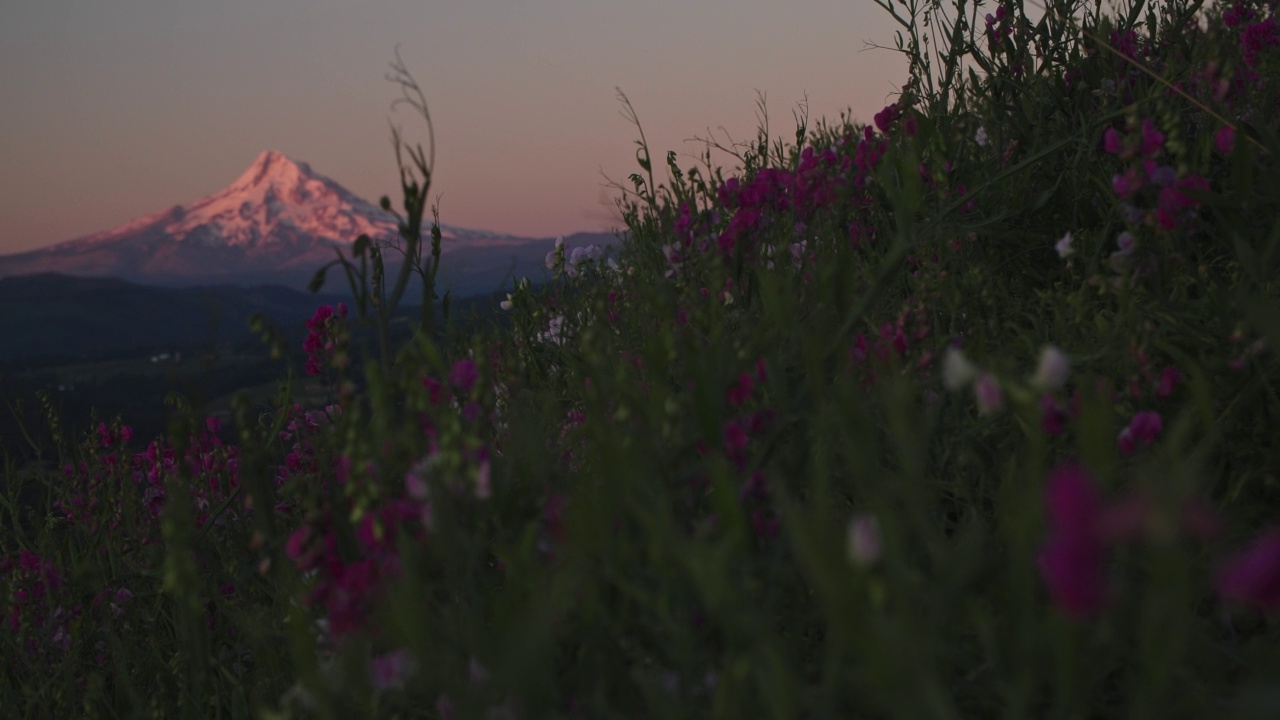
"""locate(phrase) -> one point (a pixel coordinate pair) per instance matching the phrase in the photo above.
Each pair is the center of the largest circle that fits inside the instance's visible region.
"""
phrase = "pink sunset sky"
(113, 110)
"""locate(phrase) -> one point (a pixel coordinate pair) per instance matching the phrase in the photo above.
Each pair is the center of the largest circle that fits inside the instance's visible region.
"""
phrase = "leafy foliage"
(966, 413)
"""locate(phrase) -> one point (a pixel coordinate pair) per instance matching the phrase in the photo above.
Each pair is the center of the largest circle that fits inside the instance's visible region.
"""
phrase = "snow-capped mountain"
(277, 223)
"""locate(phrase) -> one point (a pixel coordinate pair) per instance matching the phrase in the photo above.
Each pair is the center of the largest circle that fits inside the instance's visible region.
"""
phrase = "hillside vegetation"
(966, 413)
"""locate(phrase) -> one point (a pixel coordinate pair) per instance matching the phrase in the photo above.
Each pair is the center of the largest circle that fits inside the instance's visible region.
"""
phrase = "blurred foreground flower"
(863, 542)
(1252, 576)
(1072, 564)
(1053, 369)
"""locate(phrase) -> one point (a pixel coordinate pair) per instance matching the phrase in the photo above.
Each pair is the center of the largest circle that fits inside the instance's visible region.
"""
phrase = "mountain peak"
(272, 167)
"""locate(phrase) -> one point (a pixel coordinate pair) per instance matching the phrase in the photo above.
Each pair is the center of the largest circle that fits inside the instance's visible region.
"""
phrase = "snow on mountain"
(278, 222)
(275, 200)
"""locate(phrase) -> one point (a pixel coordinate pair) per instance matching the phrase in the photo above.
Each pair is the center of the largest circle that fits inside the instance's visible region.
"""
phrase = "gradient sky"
(111, 109)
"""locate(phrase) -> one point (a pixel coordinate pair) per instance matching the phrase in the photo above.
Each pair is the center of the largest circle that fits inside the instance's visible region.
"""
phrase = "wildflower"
(1143, 430)
(1112, 142)
(1168, 378)
(463, 375)
(980, 137)
(506, 304)
(1124, 241)
(555, 332)
(1224, 141)
(1053, 369)
(1063, 246)
(1252, 576)
(555, 258)
(886, 117)
(988, 394)
(391, 669)
(957, 371)
(1126, 185)
(1053, 418)
(863, 541)
(1152, 139)
(1072, 563)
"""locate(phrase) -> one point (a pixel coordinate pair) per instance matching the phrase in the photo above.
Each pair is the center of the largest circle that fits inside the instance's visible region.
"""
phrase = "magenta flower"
(1169, 377)
(1152, 139)
(464, 375)
(1224, 141)
(886, 117)
(1073, 562)
(1112, 142)
(1126, 185)
(1252, 576)
(1142, 430)
(988, 394)
(1053, 418)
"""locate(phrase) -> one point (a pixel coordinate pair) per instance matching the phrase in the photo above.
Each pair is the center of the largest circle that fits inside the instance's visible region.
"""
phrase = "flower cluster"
(326, 337)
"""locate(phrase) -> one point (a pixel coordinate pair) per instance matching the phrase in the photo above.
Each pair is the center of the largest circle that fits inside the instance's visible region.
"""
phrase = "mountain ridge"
(276, 223)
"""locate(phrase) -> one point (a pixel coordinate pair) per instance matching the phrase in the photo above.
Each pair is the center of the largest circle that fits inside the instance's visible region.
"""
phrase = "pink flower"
(391, 670)
(1112, 142)
(1053, 418)
(1142, 430)
(1169, 377)
(1073, 562)
(297, 542)
(988, 394)
(863, 541)
(1224, 141)
(464, 375)
(1130, 182)
(886, 117)
(1152, 139)
(1252, 576)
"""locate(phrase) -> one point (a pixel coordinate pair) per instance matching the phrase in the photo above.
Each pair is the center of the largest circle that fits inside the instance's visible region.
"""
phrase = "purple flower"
(463, 375)
(988, 394)
(1129, 183)
(1152, 139)
(1142, 430)
(1224, 141)
(1252, 576)
(1112, 142)
(1073, 562)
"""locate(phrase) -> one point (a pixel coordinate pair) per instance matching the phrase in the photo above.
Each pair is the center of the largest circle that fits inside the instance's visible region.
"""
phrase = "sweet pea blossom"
(1073, 562)
(957, 371)
(1224, 141)
(1252, 576)
(555, 258)
(1142, 430)
(863, 542)
(1053, 369)
(1063, 246)
(988, 395)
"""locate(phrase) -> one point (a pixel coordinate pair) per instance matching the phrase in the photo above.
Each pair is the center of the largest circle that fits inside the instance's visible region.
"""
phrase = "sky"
(112, 109)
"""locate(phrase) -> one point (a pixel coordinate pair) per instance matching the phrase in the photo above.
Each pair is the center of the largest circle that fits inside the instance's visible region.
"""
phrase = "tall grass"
(965, 413)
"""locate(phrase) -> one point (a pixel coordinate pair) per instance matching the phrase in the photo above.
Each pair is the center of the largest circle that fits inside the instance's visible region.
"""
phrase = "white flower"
(863, 541)
(980, 137)
(1063, 246)
(554, 333)
(957, 371)
(506, 304)
(555, 258)
(1051, 373)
